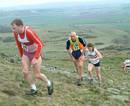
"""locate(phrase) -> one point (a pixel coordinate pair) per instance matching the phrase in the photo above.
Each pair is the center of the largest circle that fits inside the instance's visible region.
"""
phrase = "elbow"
(101, 57)
(40, 47)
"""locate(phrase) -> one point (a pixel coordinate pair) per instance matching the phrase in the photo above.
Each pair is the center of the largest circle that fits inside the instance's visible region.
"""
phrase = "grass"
(66, 92)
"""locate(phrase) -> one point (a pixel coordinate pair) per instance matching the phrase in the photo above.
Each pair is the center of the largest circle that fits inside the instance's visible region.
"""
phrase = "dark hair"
(17, 22)
(90, 45)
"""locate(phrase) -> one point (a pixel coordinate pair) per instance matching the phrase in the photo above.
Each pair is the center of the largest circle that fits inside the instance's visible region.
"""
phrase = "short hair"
(73, 33)
(91, 45)
(17, 22)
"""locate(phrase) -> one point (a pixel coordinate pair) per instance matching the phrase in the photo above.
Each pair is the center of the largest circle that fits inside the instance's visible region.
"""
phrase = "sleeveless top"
(92, 55)
(28, 48)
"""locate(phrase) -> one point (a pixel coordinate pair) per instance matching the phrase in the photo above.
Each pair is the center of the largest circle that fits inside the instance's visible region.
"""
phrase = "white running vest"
(92, 55)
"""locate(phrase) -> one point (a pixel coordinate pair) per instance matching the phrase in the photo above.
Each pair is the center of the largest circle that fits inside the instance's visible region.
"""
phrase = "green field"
(106, 26)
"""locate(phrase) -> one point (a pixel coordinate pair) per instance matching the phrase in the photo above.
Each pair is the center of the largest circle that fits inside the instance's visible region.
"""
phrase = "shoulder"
(67, 41)
(80, 38)
(29, 31)
(99, 53)
(95, 49)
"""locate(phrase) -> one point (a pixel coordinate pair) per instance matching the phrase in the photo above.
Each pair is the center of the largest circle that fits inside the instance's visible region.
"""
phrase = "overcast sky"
(10, 3)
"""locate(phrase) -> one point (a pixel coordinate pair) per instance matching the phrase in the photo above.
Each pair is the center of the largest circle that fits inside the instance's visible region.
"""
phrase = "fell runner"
(75, 47)
(93, 56)
(30, 48)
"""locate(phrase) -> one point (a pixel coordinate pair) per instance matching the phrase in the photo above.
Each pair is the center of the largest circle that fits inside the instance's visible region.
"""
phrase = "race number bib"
(76, 46)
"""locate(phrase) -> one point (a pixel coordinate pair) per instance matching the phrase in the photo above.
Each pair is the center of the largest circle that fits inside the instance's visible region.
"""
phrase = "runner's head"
(17, 25)
(90, 47)
(73, 36)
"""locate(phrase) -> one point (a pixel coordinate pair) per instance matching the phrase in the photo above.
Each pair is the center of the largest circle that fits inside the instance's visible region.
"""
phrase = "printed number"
(25, 46)
(76, 47)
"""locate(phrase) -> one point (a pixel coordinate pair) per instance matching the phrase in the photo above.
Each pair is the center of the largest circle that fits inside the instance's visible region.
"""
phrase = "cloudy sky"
(10, 3)
(7, 3)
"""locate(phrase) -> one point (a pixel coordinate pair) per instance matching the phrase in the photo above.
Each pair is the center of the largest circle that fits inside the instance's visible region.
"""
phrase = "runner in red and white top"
(30, 48)
(28, 41)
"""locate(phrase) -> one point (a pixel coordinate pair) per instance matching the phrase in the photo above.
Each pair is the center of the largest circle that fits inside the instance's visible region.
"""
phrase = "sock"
(90, 78)
(49, 83)
(33, 86)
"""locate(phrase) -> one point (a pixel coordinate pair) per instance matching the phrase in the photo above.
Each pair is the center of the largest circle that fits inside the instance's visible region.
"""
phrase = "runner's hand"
(34, 61)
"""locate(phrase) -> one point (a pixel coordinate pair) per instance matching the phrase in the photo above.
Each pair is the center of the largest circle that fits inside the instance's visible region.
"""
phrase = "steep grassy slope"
(113, 91)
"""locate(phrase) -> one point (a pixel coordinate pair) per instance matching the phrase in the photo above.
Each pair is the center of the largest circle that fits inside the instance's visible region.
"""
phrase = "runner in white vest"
(93, 56)
(125, 65)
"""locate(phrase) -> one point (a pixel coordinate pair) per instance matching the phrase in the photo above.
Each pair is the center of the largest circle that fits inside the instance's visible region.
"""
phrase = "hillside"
(113, 91)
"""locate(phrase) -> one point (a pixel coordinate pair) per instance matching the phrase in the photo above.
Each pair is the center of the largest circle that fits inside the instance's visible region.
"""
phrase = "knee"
(89, 70)
(80, 64)
(98, 72)
(25, 71)
(38, 76)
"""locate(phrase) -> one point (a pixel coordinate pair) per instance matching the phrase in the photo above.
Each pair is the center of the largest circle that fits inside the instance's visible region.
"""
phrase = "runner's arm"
(69, 50)
(83, 43)
(99, 55)
(85, 53)
(34, 37)
(20, 49)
